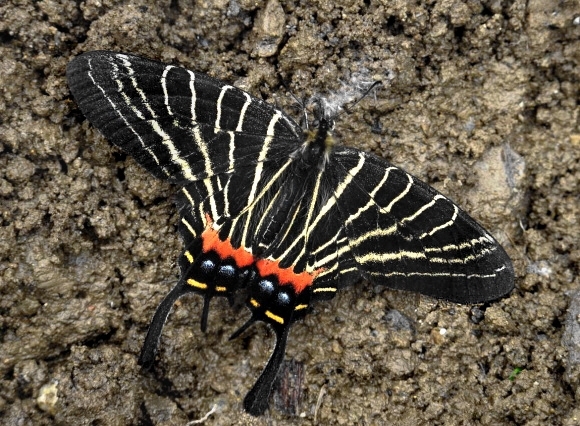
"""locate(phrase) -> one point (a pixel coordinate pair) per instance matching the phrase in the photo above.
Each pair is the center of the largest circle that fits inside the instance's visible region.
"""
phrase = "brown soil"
(482, 103)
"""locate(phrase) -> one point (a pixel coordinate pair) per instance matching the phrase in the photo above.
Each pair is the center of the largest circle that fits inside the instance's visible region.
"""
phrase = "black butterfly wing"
(178, 124)
(293, 218)
(406, 235)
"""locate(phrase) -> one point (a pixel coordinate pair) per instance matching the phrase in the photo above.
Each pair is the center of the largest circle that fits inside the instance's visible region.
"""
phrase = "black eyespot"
(227, 271)
(283, 298)
(207, 266)
(266, 286)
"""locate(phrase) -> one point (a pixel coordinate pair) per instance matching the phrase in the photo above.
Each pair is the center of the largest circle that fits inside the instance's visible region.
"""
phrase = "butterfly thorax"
(318, 142)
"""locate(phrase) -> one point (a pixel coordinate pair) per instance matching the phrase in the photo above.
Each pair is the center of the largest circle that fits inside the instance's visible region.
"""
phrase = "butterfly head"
(327, 109)
(318, 132)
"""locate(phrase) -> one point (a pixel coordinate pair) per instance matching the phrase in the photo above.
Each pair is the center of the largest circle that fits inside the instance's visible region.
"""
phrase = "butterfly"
(281, 215)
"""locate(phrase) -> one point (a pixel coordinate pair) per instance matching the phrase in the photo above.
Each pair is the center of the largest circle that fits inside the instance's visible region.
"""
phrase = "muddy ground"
(480, 100)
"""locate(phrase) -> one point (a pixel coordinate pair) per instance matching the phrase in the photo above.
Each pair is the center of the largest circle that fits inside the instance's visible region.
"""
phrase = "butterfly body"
(283, 215)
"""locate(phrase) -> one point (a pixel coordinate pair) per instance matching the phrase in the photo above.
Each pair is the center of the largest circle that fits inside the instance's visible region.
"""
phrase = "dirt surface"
(480, 100)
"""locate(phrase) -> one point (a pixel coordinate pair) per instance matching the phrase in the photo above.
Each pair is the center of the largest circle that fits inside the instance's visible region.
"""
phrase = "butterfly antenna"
(301, 106)
(364, 95)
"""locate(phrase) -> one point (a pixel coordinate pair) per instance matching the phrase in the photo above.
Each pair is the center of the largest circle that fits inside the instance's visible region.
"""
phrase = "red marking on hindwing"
(211, 241)
(286, 276)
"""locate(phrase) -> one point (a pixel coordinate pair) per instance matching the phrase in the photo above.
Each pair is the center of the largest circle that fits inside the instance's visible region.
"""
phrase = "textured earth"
(480, 99)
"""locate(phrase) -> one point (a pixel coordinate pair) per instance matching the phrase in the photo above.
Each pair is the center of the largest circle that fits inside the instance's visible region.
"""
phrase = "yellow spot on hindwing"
(274, 317)
(300, 307)
(269, 314)
(324, 289)
(197, 284)
(220, 289)
(189, 256)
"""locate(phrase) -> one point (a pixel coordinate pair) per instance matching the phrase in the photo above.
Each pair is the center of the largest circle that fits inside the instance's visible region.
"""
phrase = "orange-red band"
(286, 276)
(211, 241)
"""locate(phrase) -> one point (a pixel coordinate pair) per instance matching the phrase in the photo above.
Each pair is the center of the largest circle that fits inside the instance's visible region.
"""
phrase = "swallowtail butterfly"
(278, 214)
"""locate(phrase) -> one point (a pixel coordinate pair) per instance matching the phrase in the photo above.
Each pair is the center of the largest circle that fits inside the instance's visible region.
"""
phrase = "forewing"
(406, 235)
(334, 259)
(178, 124)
